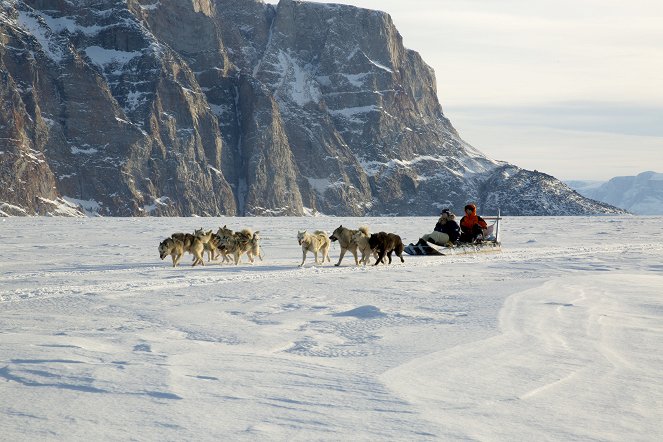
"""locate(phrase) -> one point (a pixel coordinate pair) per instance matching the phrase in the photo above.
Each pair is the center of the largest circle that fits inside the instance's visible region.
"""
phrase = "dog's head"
(224, 232)
(201, 234)
(301, 236)
(165, 247)
(337, 233)
(214, 239)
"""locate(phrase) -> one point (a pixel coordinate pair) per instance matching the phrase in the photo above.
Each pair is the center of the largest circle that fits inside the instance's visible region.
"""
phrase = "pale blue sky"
(573, 88)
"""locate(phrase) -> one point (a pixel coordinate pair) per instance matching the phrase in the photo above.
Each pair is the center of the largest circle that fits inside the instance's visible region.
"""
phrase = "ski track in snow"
(565, 350)
(556, 337)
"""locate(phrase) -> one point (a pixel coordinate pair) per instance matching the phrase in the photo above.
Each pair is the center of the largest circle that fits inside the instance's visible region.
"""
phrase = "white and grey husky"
(314, 242)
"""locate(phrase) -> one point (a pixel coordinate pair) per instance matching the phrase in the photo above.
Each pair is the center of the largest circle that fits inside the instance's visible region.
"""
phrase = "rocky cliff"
(234, 107)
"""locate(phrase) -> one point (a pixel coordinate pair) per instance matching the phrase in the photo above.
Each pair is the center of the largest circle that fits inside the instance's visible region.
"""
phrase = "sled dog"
(205, 238)
(235, 243)
(192, 245)
(314, 242)
(344, 236)
(255, 249)
(385, 244)
(223, 234)
(172, 247)
(361, 239)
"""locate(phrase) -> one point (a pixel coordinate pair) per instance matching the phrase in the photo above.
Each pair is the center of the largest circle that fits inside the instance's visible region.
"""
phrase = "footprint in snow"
(143, 347)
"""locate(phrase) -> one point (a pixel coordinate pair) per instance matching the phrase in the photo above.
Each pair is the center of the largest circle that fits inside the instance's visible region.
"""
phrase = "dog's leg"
(354, 253)
(316, 257)
(303, 257)
(174, 257)
(380, 257)
(389, 256)
(177, 259)
(340, 258)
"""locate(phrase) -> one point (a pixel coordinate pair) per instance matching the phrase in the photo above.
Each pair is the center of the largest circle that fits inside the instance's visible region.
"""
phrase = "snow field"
(557, 337)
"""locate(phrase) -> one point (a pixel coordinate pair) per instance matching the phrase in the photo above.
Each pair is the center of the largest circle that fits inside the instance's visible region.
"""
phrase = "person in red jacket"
(471, 225)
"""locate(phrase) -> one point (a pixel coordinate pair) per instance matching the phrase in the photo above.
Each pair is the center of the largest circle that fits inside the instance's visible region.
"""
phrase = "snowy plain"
(557, 337)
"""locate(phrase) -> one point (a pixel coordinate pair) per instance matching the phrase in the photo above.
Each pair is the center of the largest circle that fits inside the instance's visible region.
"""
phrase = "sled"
(491, 243)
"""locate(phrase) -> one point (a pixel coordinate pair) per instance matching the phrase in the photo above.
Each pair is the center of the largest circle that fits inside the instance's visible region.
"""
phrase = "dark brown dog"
(385, 244)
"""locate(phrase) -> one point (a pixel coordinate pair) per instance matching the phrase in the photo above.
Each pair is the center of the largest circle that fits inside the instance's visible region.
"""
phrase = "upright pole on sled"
(497, 226)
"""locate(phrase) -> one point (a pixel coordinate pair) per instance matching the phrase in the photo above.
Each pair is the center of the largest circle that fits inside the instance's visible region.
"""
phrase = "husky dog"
(361, 239)
(236, 243)
(255, 247)
(344, 238)
(192, 245)
(314, 242)
(213, 246)
(205, 238)
(385, 244)
(172, 247)
(223, 234)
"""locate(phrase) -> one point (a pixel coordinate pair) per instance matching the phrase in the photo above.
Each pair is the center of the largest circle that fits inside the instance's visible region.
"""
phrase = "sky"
(573, 88)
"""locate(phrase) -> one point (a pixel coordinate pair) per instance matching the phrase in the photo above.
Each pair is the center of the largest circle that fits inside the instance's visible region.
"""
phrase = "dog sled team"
(224, 243)
(231, 246)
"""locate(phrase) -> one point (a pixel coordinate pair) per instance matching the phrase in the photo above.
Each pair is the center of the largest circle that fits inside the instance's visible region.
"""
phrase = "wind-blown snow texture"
(558, 337)
(225, 107)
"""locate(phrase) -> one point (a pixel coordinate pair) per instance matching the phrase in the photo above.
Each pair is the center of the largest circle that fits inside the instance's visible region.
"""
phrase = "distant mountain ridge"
(641, 194)
(235, 107)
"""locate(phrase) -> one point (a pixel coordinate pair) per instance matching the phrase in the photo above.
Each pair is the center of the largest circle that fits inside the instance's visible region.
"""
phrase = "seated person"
(446, 230)
(472, 225)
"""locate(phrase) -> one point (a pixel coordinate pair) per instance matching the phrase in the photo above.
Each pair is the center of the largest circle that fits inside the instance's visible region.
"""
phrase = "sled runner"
(490, 243)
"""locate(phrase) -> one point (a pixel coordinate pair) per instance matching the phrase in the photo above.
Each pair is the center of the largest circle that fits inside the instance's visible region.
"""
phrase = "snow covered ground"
(558, 337)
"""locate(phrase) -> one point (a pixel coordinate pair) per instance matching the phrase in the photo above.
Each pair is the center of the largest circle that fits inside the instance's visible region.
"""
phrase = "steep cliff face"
(119, 119)
(210, 107)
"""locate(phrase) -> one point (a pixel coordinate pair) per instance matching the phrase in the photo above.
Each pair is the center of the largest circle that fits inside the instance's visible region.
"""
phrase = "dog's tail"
(364, 230)
(320, 232)
(247, 232)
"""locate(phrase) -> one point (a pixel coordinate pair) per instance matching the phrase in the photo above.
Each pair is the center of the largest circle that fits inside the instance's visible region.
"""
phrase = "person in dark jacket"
(472, 225)
(446, 230)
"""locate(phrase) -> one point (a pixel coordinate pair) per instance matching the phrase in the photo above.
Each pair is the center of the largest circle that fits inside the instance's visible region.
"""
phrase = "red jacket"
(469, 221)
